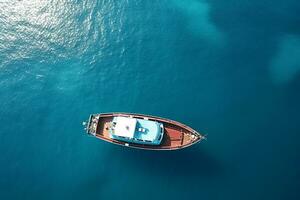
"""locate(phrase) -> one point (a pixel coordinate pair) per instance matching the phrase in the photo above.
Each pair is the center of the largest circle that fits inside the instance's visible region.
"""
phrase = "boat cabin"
(133, 130)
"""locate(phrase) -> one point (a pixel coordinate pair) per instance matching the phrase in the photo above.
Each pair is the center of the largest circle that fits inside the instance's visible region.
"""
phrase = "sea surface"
(229, 69)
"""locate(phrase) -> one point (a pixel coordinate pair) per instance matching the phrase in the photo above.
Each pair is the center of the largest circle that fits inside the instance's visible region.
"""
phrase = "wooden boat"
(115, 128)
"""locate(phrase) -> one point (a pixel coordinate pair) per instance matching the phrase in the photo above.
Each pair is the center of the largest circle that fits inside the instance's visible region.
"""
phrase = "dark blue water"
(229, 69)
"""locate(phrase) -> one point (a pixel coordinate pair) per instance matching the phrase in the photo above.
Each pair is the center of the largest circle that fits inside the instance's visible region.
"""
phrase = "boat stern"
(91, 126)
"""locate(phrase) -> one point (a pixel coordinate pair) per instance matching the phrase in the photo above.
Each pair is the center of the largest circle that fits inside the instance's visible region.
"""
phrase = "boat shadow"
(193, 162)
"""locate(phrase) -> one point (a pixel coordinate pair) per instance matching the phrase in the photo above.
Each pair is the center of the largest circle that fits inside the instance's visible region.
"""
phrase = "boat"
(141, 131)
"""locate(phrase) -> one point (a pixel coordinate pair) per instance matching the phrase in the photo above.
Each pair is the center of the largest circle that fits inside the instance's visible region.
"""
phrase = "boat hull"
(176, 135)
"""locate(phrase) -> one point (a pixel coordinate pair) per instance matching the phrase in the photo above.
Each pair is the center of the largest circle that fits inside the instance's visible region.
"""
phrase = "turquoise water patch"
(285, 66)
(198, 19)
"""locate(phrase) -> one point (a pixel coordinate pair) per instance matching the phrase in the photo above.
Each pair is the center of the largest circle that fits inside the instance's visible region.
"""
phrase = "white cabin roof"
(125, 127)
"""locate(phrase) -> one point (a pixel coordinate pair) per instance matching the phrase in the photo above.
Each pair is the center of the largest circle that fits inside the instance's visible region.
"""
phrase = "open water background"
(229, 69)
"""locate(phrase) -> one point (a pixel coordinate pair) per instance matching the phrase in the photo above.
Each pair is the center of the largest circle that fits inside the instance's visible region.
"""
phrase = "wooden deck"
(176, 135)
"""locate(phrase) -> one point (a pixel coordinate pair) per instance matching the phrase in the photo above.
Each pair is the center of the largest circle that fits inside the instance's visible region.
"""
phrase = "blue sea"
(229, 69)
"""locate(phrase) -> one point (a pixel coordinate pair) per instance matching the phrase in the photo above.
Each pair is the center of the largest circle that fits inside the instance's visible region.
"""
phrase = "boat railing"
(87, 124)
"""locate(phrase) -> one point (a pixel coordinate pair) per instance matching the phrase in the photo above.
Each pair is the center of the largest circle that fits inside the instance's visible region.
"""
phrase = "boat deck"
(175, 136)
